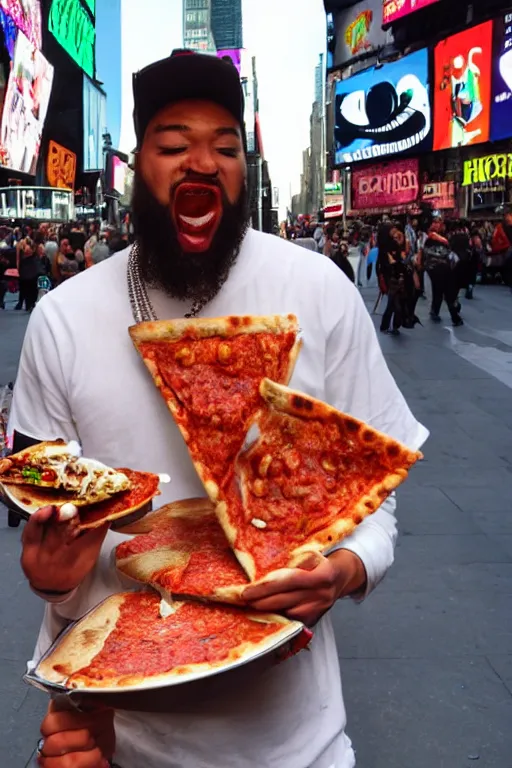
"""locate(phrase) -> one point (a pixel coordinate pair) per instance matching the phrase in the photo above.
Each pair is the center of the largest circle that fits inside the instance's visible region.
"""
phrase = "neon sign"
(482, 169)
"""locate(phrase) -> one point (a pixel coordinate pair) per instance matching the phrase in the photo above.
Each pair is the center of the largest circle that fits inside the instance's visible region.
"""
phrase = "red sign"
(440, 195)
(395, 9)
(462, 88)
(387, 185)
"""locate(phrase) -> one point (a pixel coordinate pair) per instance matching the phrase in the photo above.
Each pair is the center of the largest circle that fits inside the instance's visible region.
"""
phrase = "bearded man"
(80, 378)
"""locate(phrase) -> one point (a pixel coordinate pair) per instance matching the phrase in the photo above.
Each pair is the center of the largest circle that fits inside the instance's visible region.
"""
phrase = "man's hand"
(307, 595)
(77, 739)
(56, 557)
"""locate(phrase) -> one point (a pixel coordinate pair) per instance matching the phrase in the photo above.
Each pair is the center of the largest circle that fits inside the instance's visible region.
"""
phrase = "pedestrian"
(339, 256)
(363, 251)
(81, 379)
(29, 268)
(51, 246)
(66, 264)
(439, 262)
(391, 271)
(501, 245)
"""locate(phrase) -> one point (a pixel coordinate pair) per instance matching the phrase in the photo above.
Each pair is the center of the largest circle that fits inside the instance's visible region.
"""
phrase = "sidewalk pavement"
(427, 659)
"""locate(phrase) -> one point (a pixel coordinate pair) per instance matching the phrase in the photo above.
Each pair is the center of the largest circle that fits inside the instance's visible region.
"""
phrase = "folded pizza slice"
(59, 465)
(143, 487)
(135, 640)
(310, 477)
(183, 552)
(209, 372)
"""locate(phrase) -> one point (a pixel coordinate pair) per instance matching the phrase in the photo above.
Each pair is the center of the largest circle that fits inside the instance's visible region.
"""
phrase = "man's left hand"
(307, 595)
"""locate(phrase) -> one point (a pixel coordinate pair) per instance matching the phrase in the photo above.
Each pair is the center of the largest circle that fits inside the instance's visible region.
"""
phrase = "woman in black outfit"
(29, 269)
(391, 272)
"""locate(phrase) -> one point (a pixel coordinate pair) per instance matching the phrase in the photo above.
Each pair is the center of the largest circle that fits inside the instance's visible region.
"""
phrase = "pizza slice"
(144, 486)
(209, 372)
(134, 640)
(183, 553)
(59, 465)
(312, 475)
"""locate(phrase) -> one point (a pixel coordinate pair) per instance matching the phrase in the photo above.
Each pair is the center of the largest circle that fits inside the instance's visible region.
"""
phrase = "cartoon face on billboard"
(383, 111)
(462, 88)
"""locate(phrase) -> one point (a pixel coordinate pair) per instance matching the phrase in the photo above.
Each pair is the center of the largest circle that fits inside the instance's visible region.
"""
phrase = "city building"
(226, 24)
(197, 26)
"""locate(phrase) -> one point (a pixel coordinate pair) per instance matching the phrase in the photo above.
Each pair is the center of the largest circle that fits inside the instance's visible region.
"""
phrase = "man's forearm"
(351, 573)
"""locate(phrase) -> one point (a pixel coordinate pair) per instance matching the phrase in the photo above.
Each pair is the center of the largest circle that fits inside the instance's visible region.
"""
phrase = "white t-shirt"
(80, 377)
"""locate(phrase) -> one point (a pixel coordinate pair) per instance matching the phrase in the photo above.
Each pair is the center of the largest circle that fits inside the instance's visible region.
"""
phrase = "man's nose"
(201, 159)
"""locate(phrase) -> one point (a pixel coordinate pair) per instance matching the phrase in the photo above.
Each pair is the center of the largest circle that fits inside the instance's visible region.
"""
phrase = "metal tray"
(158, 695)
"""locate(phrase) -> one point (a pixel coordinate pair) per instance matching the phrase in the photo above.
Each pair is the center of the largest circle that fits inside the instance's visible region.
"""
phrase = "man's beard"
(163, 264)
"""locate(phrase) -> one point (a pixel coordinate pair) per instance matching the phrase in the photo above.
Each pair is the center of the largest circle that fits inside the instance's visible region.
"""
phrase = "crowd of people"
(33, 260)
(455, 254)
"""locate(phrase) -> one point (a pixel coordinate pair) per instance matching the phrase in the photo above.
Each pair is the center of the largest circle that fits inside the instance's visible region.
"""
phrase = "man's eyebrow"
(171, 127)
(228, 132)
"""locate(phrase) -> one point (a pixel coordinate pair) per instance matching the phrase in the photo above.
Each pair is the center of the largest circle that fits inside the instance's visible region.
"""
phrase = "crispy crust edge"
(302, 406)
(180, 508)
(83, 642)
(182, 328)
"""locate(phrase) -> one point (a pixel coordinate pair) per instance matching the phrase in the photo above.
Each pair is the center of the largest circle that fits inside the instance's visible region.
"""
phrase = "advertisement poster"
(383, 111)
(396, 9)
(462, 88)
(119, 171)
(385, 186)
(73, 28)
(359, 30)
(25, 107)
(440, 195)
(26, 14)
(60, 166)
(95, 125)
(501, 106)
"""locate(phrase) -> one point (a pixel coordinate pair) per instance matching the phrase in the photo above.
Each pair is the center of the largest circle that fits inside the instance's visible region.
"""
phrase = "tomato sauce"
(216, 381)
(143, 644)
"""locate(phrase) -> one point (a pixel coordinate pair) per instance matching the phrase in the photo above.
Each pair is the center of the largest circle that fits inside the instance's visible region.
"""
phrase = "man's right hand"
(77, 739)
(56, 557)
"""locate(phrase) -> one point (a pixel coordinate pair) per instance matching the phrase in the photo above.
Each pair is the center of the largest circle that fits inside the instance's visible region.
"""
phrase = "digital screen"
(91, 4)
(358, 30)
(72, 26)
(462, 88)
(501, 105)
(60, 166)
(383, 111)
(233, 55)
(26, 15)
(25, 107)
(386, 185)
(9, 32)
(95, 125)
(396, 9)
(119, 171)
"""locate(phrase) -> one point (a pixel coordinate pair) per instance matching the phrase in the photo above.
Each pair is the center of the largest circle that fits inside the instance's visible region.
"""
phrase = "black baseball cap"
(186, 75)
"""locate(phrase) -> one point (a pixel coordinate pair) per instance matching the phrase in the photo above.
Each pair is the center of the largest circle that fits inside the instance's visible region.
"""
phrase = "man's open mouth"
(197, 212)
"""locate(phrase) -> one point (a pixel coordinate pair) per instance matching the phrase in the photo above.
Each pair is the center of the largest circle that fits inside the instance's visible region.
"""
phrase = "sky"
(286, 36)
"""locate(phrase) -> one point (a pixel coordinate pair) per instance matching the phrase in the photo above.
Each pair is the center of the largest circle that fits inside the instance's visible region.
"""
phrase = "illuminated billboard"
(501, 104)
(95, 125)
(462, 88)
(234, 55)
(72, 26)
(25, 107)
(60, 166)
(358, 30)
(383, 111)
(26, 15)
(397, 9)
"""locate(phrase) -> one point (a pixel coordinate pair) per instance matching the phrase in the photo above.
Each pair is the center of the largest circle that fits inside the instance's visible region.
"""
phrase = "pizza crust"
(87, 637)
(203, 328)
(82, 643)
(180, 508)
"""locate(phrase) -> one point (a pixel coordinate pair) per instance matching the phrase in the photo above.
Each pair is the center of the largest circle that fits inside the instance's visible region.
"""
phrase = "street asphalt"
(427, 659)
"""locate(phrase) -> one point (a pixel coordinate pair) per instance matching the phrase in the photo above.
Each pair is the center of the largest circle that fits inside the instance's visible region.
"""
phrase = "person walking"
(66, 264)
(438, 260)
(29, 268)
(391, 272)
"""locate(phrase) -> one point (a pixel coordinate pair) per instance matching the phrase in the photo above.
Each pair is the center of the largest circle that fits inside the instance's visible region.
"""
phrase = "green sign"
(333, 188)
(71, 25)
(489, 168)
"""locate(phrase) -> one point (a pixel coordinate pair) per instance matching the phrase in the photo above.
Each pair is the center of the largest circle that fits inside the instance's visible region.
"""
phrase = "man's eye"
(171, 150)
(229, 151)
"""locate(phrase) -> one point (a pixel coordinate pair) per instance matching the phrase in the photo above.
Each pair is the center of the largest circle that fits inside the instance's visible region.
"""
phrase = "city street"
(427, 660)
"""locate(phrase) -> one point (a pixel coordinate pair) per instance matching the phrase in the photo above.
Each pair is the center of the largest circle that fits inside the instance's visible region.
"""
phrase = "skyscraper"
(197, 31)
(226, 24)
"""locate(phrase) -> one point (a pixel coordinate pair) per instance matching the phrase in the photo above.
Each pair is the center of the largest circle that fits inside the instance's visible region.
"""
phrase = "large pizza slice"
(183, 553)
(59, 465)
(134, 640)
(209, 372)
(311, 476)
